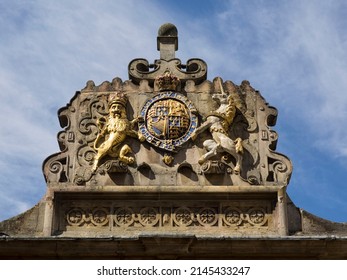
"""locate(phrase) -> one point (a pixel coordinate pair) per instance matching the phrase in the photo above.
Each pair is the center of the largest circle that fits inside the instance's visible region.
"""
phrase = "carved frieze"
(85, 217)
(155, 215)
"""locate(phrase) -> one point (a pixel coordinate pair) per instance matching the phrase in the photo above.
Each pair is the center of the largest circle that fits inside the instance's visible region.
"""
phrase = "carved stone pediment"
(167, 150)
(183, 126)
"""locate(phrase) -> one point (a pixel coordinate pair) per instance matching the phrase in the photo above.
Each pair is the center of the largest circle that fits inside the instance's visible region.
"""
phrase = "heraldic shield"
(169, 119)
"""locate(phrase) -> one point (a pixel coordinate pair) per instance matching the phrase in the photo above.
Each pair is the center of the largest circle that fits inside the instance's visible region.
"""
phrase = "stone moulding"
(224, 211)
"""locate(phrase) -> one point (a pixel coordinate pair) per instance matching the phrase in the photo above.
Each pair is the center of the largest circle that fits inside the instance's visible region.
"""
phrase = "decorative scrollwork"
(114, 166)
(55, 170)
(79, 180)
(55, 167)
(215, 167)
(82, 175)
(196, 70)
(85, 155)
(252, 122)
(279, 166)
(281, 170)
(91, 110)
(87, 126)
(253, 177)
(62, 138)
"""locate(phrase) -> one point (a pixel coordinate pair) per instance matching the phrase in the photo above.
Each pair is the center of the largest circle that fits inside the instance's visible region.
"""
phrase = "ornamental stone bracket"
(194, 70)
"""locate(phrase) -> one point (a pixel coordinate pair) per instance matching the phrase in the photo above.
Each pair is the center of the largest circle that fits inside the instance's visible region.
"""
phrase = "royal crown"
(167, 81)
(117, 98)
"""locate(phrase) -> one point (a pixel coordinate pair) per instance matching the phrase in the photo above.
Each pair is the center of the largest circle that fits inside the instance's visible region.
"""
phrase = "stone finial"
(167, 41)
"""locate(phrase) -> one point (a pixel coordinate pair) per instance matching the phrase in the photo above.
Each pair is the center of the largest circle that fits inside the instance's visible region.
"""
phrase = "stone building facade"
(169, 164)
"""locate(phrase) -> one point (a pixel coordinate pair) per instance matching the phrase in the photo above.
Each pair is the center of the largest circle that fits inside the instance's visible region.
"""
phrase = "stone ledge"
(180, 247)
(166, 189)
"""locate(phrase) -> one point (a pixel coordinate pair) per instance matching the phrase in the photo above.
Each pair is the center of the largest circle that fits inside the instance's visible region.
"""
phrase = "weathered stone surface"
(313, 225)
(29, 223)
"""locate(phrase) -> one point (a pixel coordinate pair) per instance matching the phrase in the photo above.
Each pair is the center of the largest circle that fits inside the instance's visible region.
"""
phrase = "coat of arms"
(169, 120)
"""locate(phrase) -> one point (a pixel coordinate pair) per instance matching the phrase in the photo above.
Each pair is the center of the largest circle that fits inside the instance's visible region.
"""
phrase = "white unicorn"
(218, 124)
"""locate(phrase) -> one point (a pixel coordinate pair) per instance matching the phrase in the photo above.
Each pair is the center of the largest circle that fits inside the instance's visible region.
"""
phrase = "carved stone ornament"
(218, 124)
(167, 41)
(167, 81)
(169, 119)
(167, 125)
(112, 132)
(166, 152)
(223, 216)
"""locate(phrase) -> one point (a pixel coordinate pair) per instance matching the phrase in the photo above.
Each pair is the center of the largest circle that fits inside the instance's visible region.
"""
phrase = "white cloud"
(298, 51)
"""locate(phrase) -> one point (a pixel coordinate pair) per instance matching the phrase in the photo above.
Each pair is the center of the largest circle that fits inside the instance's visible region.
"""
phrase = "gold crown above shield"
(117, 98)
(167, 81)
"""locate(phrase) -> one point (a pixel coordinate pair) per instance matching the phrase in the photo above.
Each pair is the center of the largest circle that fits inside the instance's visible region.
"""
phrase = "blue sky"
(293, 52)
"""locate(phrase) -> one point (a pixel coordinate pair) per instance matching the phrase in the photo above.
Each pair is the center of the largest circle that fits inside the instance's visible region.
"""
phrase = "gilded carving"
(112, 132)
(168, 159)
(169, 119)
(218, 124)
